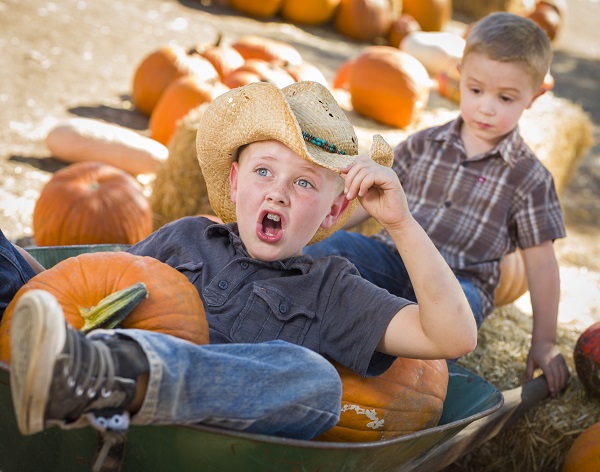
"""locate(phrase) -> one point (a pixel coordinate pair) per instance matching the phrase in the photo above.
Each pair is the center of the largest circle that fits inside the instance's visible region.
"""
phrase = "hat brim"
(260, 111)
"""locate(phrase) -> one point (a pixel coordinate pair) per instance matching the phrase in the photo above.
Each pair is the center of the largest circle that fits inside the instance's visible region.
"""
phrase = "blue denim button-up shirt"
(323, 304)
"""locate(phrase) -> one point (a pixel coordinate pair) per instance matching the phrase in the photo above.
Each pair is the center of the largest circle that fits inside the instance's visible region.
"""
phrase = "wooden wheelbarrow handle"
(516, 402)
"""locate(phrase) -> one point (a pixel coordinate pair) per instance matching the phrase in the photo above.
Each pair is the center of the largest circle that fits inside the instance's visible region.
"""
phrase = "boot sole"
(38, 335)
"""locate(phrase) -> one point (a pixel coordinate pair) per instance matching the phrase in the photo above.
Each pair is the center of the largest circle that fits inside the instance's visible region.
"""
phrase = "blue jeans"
(273, 388)
(383, 266)
(15, 271)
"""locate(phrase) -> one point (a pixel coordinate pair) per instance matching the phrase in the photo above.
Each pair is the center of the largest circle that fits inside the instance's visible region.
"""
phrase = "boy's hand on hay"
(544, 289)
(548, 357)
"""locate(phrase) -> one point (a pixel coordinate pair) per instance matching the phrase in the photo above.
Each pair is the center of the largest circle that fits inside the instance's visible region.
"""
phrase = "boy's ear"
(338, 207)
(233, 178)
(540, 92)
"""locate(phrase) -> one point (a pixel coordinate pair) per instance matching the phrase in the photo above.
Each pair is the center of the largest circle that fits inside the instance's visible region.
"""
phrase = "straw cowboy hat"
(304, 116)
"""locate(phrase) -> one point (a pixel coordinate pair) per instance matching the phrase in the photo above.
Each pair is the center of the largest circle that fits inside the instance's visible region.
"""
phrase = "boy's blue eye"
(304, 183)
(262, 172)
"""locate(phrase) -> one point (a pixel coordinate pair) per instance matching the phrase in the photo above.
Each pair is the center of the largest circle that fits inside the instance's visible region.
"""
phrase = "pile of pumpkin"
(168, 84)
(362, 20)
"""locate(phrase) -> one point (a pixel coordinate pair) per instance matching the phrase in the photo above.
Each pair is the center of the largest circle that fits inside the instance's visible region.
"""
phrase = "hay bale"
(560, 133)
(541, 438)
(179, 188)
(474, 10)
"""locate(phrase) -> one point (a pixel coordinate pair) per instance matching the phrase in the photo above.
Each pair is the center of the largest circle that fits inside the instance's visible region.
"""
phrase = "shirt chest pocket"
(270, 315)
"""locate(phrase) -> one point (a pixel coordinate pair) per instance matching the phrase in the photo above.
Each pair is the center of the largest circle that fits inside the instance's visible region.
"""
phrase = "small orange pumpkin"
(389, 86)
(306, 71)
(180, 97)
(158, 69)
(432, 15)
(257, 8)
(408, 397)
(272, 72)
(364, 20)
(173, 305)
(308, 12)
(583, 455)
(548, 17)
(224, 57)
(513, 279)
(267, 49)
(91, 203)
(239, 78)
(401, 27)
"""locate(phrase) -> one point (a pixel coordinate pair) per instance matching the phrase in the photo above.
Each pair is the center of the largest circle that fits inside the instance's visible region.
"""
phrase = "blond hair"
(507, 37)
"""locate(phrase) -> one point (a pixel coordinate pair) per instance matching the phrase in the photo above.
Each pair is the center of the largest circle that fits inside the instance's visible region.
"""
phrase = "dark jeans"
(383, 266)
(14, 272)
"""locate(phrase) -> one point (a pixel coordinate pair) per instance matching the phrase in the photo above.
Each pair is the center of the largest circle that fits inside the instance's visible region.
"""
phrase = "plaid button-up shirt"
(477, 210)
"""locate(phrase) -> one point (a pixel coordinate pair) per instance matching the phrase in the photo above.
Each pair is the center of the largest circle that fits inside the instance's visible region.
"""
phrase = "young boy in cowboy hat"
(272, 160)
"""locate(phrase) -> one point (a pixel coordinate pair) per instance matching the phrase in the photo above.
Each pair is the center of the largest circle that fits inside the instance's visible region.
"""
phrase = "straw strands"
(538, 441)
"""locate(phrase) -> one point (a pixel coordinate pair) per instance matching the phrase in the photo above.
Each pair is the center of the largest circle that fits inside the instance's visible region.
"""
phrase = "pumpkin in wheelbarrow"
(80, 283)
(406, 398)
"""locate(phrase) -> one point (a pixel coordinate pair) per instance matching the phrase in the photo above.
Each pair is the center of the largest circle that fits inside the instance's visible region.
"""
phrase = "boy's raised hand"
(378, 189)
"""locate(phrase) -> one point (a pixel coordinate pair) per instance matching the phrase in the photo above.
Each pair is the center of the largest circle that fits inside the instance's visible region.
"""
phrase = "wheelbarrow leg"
(516, 402)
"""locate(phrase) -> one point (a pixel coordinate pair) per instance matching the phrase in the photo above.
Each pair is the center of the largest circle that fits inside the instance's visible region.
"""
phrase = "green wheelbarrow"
(474, 411)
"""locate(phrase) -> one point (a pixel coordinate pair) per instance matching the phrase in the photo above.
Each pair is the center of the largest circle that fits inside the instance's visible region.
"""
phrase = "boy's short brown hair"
(507, 37)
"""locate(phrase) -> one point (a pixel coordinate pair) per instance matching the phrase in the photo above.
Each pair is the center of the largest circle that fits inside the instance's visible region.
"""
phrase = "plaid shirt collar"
(504, 149)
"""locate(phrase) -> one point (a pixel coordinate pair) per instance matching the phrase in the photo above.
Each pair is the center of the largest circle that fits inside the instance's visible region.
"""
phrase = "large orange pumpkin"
(364, 20)
(159, 68)
(389, 86)
(180, 97)
(341, 79)
(91, 203)
(513, 279)
(173, 305)
(432, 15)
(584, 453)
(407, 398)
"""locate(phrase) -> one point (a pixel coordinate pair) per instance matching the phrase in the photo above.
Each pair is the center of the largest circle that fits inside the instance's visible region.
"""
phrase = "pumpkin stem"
(113, 309)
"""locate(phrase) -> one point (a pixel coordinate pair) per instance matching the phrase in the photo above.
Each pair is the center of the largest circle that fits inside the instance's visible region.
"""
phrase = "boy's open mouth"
(271, 224)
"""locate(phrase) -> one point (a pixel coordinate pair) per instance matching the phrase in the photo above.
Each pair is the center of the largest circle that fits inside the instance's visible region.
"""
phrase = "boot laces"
(98, 372)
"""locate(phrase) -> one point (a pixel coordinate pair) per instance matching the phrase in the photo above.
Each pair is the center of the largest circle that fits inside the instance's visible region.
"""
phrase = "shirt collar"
(230, 231)
(505, 148)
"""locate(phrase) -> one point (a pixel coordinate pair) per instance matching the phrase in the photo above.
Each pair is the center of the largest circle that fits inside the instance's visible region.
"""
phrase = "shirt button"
(244, 265)
(447, 203)
(283, 309)
(223, 284)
